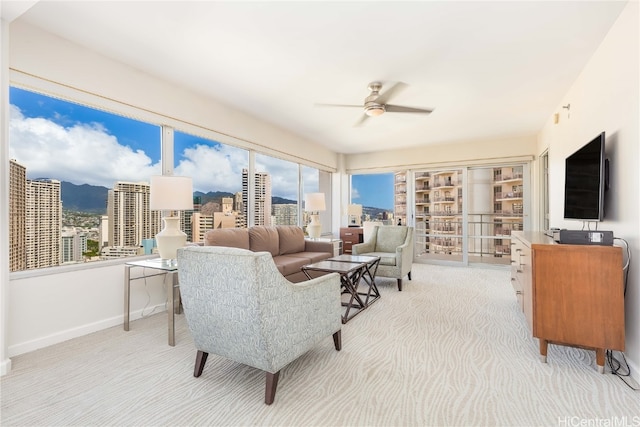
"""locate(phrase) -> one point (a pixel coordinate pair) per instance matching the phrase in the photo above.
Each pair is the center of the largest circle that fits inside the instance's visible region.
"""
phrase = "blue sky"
(61, 140)
(373, 190)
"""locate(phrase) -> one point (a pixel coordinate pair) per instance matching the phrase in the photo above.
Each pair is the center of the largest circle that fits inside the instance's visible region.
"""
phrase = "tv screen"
(584, 184)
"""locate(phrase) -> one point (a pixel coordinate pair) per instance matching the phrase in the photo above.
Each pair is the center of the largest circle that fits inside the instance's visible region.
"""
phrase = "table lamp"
(355, 215)
(171, 193)
(314, 202)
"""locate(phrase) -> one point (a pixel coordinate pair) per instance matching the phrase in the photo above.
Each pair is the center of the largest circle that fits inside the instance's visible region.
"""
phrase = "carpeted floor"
(452, 348)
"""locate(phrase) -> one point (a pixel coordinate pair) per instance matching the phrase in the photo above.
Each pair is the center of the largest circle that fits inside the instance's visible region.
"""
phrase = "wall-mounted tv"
(585, 182)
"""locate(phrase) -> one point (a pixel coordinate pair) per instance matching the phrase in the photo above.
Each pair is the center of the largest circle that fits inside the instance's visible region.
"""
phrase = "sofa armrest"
(363, 248)
(318, 246)
(404, 253)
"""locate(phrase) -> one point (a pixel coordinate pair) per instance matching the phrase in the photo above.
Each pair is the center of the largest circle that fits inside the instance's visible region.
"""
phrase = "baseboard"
(5, 367)
(58, 337)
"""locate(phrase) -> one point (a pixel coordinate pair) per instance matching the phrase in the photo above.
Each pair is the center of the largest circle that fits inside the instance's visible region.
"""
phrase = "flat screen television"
(586, 181)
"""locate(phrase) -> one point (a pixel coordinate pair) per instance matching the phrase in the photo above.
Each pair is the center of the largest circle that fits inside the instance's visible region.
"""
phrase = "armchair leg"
(399, 284)
(270, 389)
(409, 275)
(201, 359)
(337, 340)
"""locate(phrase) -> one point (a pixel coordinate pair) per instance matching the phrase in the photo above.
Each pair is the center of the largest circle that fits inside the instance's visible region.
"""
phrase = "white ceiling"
(488, 69)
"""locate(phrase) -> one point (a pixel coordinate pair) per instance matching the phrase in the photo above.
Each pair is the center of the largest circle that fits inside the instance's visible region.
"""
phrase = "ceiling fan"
(376, 103)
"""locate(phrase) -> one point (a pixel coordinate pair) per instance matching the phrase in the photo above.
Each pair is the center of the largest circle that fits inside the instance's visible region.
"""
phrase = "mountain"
(84, 198)
(211, 196)
(275, 200)
(93, 198)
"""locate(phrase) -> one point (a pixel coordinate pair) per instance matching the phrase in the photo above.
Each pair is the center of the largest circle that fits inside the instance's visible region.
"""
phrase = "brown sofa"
(285, 243)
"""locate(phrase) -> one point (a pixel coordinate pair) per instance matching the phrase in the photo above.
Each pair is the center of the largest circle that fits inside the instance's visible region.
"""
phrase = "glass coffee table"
(353, 273)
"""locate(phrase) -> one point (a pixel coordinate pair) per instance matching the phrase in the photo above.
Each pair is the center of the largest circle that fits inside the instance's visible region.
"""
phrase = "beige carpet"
(451, 349)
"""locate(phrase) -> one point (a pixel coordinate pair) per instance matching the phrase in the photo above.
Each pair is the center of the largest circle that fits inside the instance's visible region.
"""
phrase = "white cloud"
(86, 153)
(212, 168)
(82, 154)
(354, 193)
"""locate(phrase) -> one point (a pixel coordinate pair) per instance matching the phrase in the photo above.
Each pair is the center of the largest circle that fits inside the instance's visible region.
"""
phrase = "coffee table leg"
(369, 279)
(350, 283)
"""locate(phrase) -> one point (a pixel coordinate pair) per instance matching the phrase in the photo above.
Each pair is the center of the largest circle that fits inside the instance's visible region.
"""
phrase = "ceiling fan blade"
(337, 105)
(391, 92)
(361, 121)
(400, 109)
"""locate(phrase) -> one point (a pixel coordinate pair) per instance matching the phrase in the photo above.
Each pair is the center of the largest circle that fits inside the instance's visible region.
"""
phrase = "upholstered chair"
(238, 306)
(394, 245)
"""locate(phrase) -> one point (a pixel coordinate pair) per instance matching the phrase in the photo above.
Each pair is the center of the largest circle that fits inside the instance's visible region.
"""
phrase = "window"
(217, 170)
(79, 183)
(276, 184)
(375, 192)
(79, 178)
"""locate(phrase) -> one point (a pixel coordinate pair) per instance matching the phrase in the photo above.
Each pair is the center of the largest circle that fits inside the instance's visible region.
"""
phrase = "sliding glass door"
(466, 215)
(438, 215)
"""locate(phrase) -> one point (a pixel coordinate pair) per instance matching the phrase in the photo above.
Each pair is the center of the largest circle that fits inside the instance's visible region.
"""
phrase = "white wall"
(606, 97)
(61, 303)
(463, 153)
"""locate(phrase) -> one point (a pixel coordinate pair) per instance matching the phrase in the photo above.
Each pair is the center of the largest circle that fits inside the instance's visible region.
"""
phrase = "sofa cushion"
(288, 264)
(291, 239)
(230, 237)
(263, 238)
(312, 256)
(386, 258)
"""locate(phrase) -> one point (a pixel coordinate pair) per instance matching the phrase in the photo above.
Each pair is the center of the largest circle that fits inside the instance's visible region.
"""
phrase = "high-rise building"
(72, 246)
(17, 216)
(261, 196)
(285, 214)
(103, 232)
(43, 222)
(130, 218)
(227, 205)
(238, 207)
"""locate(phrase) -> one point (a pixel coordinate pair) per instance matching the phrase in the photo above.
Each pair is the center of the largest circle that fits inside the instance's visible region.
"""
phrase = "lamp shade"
(171, 193)
(355, 210)
(314, 202)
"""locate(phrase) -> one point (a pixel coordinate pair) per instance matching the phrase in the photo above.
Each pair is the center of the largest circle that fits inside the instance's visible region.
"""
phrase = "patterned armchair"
(394, 245)
(238, 306)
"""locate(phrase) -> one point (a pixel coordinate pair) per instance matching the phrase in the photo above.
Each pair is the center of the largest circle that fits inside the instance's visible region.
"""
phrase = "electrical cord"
(142, 314)
(615, 364)
(625, 268)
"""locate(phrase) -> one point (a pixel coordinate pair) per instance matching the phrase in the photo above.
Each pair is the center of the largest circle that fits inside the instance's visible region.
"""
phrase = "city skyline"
(53, 138)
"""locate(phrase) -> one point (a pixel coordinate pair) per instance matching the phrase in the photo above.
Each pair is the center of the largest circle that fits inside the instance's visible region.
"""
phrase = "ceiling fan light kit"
(374, 110)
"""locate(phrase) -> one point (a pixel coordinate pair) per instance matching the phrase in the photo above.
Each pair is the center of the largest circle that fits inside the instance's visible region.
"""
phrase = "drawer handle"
(513, 279)
(518, 292)
(519, 250)
(513, 261)
(518, 271)
(348, 234)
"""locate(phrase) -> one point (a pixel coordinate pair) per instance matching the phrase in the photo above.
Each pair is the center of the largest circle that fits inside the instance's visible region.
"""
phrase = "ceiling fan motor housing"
(371, 107)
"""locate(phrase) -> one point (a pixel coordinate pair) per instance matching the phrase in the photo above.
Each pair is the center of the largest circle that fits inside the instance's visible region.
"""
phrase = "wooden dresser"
(570, 294)
(350, 236)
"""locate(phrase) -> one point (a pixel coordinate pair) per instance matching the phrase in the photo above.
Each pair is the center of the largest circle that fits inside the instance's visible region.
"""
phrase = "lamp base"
(314, 229)
(170, 238)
